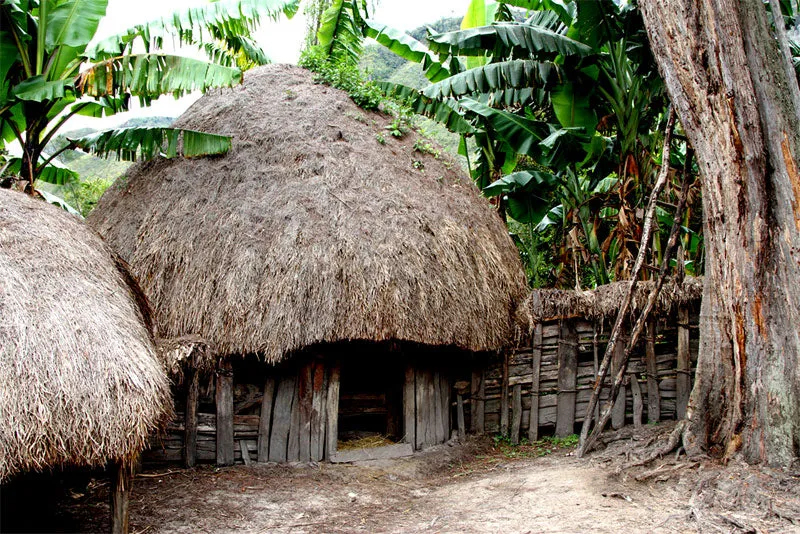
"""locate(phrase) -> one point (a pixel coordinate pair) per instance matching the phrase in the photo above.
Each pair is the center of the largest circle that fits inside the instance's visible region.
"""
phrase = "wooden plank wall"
(557, 371)
(298, 416)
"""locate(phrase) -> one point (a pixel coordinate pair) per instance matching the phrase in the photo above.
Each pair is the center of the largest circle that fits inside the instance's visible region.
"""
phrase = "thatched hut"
(79, 380)
(325, 247)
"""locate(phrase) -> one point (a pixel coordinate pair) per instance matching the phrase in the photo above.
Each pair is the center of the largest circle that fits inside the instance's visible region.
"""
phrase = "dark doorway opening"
(371, 397)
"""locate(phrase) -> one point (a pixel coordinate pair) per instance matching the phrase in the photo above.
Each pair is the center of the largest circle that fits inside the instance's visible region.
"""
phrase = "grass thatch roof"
(605, 301)
(312, 230)
(79, 378)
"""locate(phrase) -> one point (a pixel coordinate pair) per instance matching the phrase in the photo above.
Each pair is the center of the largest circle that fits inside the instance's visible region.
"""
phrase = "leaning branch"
(626, 303)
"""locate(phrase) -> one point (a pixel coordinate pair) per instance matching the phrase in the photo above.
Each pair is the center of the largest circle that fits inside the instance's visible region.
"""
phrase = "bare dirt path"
(476, 487)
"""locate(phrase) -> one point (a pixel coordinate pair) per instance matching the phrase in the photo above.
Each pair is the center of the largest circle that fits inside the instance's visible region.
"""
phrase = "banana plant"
(53, 69)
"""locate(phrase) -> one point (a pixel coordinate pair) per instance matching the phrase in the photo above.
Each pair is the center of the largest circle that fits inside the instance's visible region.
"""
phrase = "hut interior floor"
(477, 486)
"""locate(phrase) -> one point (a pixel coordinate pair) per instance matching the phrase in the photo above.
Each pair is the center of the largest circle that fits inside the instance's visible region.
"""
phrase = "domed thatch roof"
(79, 380)
(311, 230)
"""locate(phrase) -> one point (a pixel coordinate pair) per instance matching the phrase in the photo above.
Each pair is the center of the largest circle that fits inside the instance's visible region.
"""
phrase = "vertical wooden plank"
(536, 365)
(653, 393)
(430, 409)
(224, 400)
(305, 396)
(682, 382)
(121, 482)
(409, 407)
(475, 383)
(190, 419)
(293, 445)
(567, 378)
(245, 453)
(462, 427)
(265, 420)
(504, 398)
(419, 401)
(332, 409)
(445, 402)
(317, 430)
(281, 418)
(477, 402)
(638, 406)
(438, 409)
(618, 411)
(516, 413)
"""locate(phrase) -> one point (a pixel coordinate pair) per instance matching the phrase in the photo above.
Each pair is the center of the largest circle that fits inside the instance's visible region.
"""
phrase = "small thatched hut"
(326, 247)
(79, 380)
(546, 383)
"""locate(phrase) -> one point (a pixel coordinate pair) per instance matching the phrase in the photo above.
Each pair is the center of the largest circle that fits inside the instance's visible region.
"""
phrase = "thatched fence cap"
(605, 301)
(318, 226)
(79, 379)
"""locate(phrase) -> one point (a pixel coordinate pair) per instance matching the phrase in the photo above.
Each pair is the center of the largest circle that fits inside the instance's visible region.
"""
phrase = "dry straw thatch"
(605, 301)
(311, 230)
(79, 379)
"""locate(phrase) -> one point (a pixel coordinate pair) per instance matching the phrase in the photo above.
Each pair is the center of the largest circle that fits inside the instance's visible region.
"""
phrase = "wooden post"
(516, 413)
(638, 406)
(438, 410)
(444, 379)
(305, 396)
(281, 418)
(224, 398)
(567, 378)
(332, 409)
(318, 419)
(265, 421)
(190, 418)
(536, 365)
(684, 363)
(477, 402)
(618, 412)
(293, 445)
(121, 482)
(462, 431)
(504, 398)
(409, 407)
(653, 393)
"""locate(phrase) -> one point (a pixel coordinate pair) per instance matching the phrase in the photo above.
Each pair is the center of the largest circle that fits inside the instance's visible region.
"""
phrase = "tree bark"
(727, 80)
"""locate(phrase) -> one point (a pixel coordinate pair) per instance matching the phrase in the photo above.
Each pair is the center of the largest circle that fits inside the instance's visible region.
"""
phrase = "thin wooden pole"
(684, 363)
(190, 418)
(224, 400)
(121, 483)
(504, 398)
(637, 267)
(587, 441)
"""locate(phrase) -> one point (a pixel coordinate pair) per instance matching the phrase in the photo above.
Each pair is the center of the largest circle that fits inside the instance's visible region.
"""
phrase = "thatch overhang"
(318, 226)
(79, 379)
(605, 301)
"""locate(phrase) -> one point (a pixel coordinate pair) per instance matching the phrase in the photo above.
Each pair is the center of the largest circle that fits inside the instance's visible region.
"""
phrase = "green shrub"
(343, 75)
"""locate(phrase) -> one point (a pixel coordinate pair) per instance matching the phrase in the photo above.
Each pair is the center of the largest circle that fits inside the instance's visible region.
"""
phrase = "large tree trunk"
(727, 79)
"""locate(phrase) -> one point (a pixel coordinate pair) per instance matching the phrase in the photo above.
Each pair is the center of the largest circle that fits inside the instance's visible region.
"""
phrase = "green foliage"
(53, 70)
(342, 74)
(133, 144)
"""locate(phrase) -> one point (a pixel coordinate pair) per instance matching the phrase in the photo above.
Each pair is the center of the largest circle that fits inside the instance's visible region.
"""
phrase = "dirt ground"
(476, 486)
